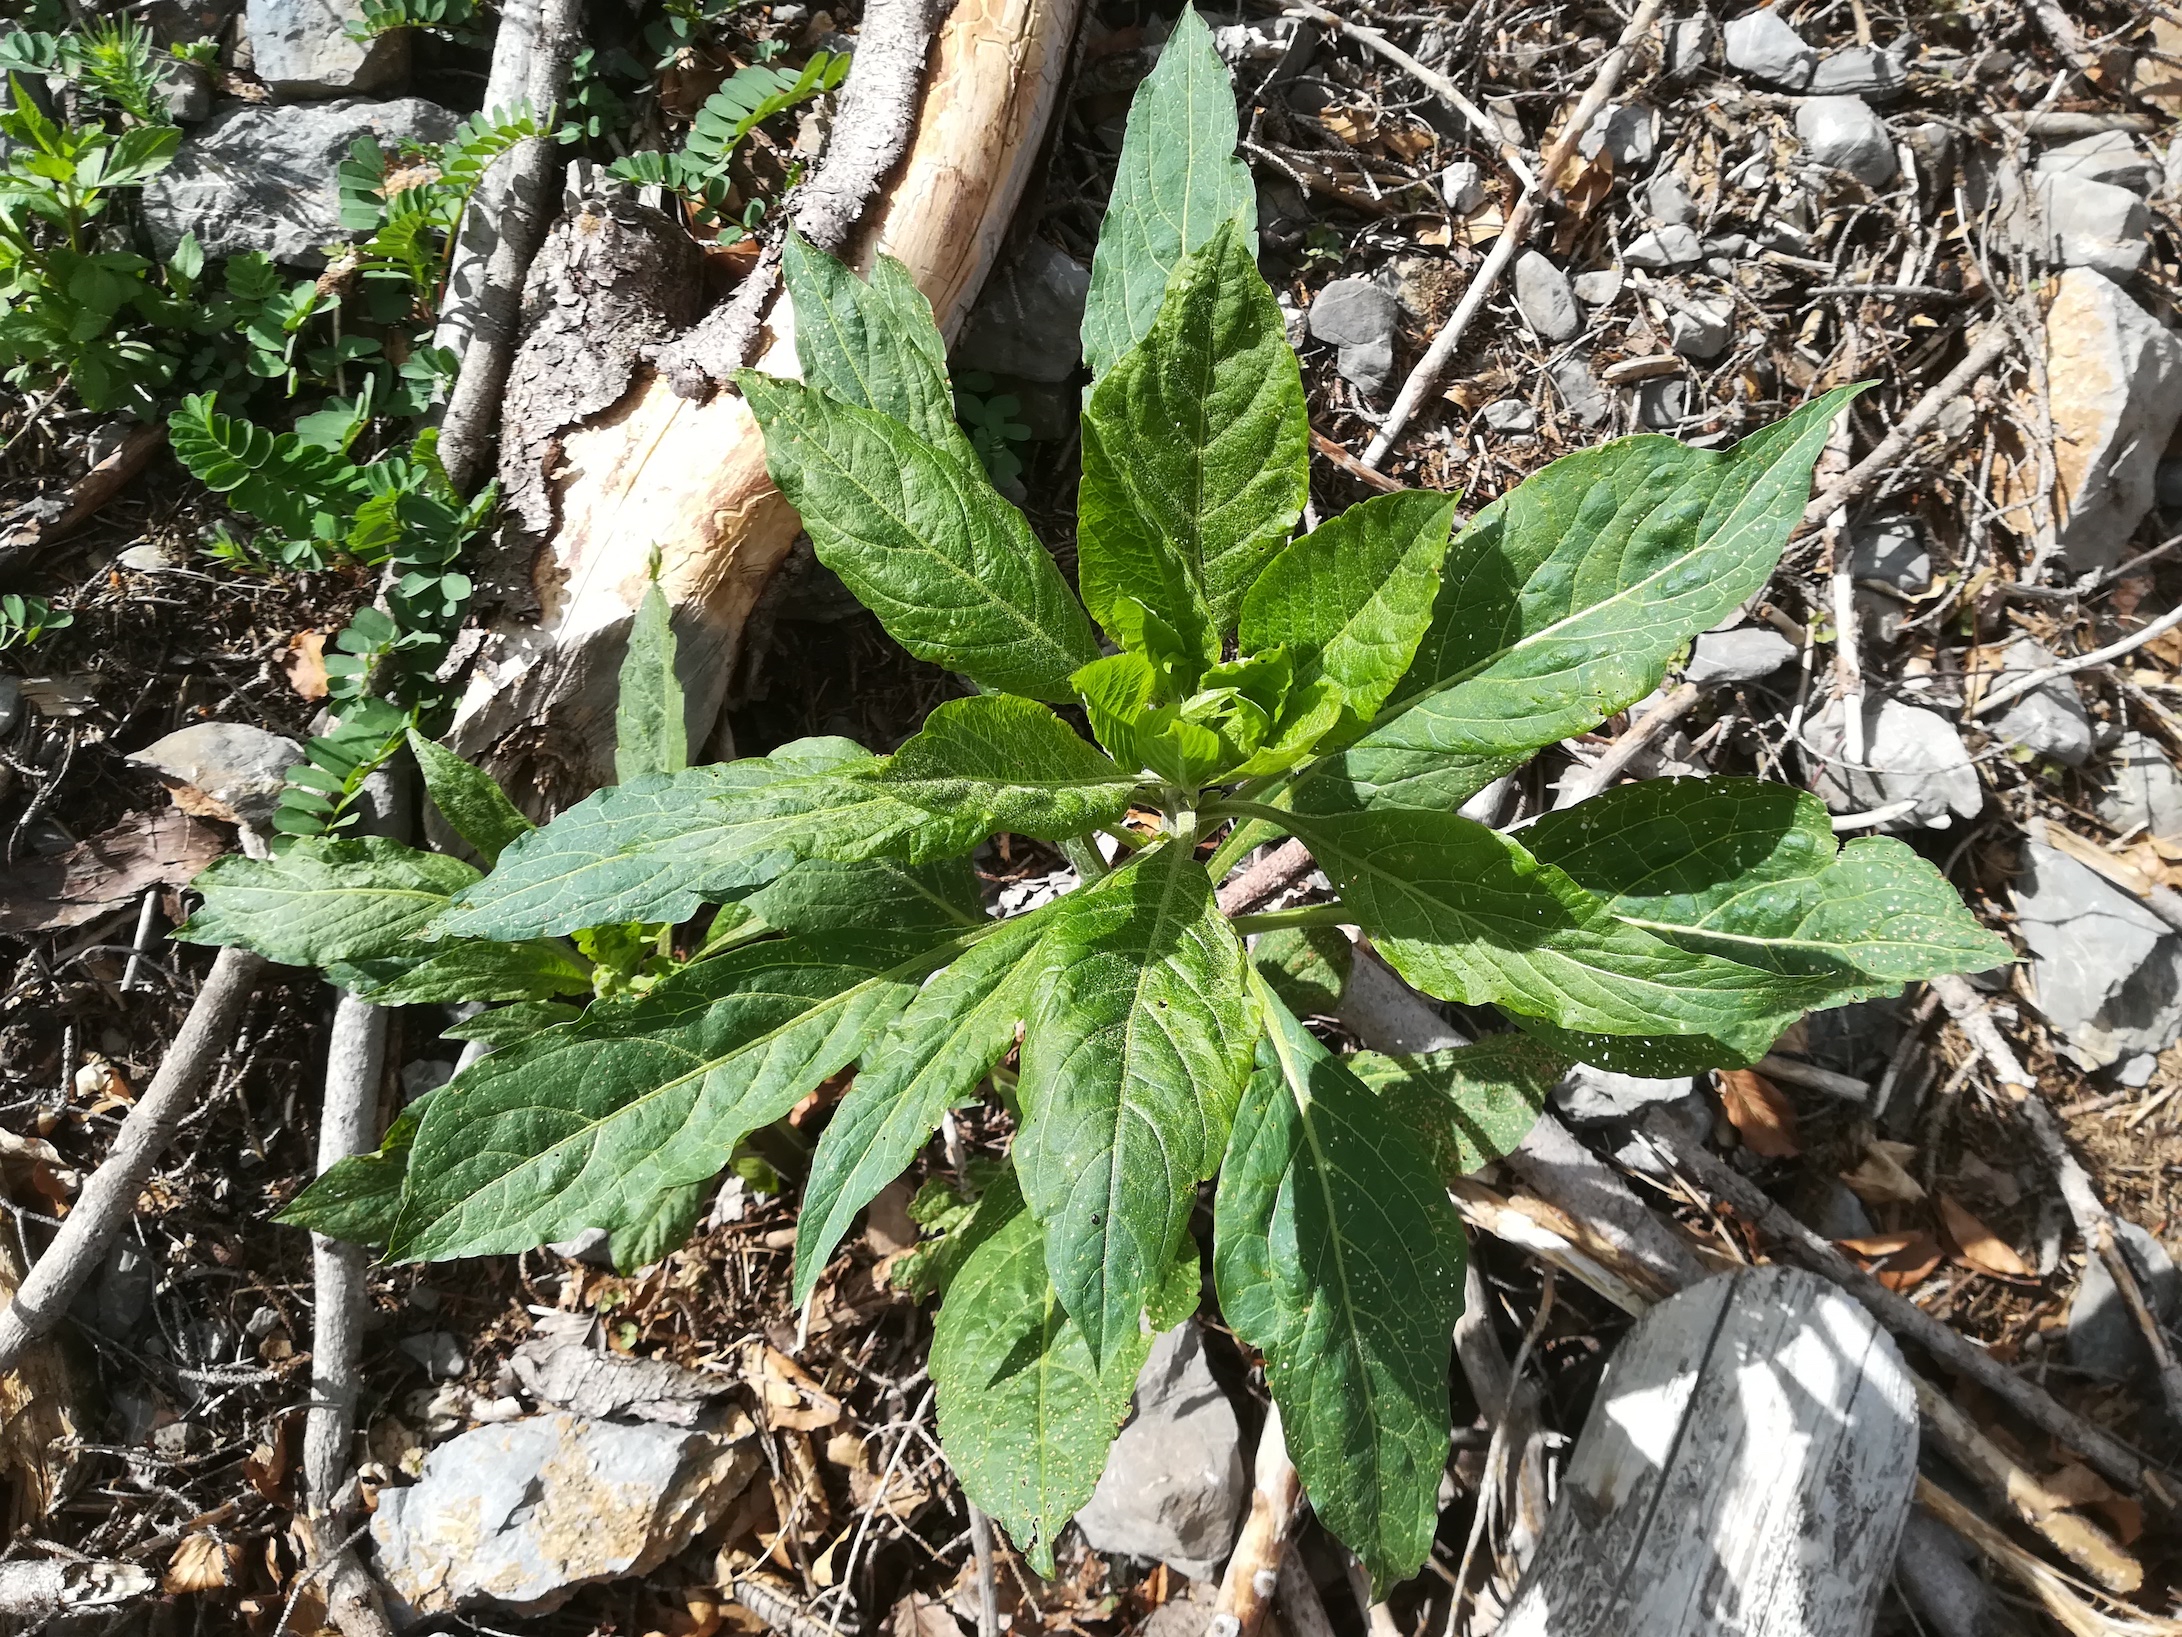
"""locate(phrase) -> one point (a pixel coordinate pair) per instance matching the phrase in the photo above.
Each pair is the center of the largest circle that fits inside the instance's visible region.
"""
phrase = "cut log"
(1746, 1469)
(686, 477)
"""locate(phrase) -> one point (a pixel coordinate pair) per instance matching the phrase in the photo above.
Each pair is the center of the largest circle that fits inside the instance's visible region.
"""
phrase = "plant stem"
(1083, 852)
(1233, 845)
(1278, 920)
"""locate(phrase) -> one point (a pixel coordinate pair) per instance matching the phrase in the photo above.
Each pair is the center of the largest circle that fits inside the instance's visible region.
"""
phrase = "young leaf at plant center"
(923, 541)
(589, 1124)
(998, 763)
(1337, 1254)
(1565, 600)
(1471, 1105)
(961, 1024)
(316, 901)
(872, 344)
(1178, 181)
(1195, 451)
(1025, 1413)
(1751, 871)
(535, 969)
(469, 799)
(1350, 600)
(1130, 1072)
(649, 735)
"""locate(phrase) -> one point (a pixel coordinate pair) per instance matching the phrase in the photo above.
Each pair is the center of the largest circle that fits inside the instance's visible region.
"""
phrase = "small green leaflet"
(1337, 1254)
(1130, 1072)
(1025, 1414)
(1471, 1104)
(872, 344)
(469, 799)
(924, 542)
(317, 901)
(1350, 600)
(649, 735)
(1751, 871)
(1564, 601)
(997, 763)
(931, 1059)
(534, 969)
(1178, 181)
(1195, 450)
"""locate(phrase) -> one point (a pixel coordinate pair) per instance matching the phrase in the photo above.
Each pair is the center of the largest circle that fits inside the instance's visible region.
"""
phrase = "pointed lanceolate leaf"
(1564, 602)
(1351, 599)
(592, 1124)
(960, 1025)
(317, 901)
(649, 732)
(469, 799)
(1178, 180)
(878, 896)
(998, 763)
(1469, 1105)
(1337, 1254)
(1131, 1068)
(872, 344)
(924, 541)
(1195, 449)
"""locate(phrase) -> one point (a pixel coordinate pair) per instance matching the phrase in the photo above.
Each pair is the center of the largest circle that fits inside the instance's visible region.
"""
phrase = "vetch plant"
(1350, 686)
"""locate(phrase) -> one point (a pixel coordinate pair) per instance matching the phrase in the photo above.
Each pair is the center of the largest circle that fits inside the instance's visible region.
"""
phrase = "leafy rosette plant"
(1350, 686)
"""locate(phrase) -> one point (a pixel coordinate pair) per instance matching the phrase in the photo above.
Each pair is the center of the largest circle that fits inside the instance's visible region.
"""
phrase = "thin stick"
(1679, 702)
(2070, 1611)
(108, 1199)
(1369, 477)
(988, 1590)
(2129, 644)
(1253, 1571)
(1424, 381)
(1254, 883)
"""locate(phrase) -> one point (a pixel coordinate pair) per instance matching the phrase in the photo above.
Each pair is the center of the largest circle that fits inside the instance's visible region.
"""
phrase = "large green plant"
(1350, 686)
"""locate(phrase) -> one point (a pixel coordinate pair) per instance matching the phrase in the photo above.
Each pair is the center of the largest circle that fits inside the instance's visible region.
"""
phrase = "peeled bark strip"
(659, 471)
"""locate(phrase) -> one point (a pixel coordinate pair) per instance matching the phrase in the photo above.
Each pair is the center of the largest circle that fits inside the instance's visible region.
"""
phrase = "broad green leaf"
(505, 1025)
(872, 344)
(1751, 871)
(1130, 1072)
(1467, 914)
(649, 733)
(317, 901)
(1025, 1413)
(1470, 1105)
(1195, 451)
(998, 763)
(1177, 182)
(911, 899)
(931, 1059)
(593, 1123)
(535, 969)
(1564, 601)
(469, 799)
(1350, 600)
(1337, 1254)
(1307, 967)
(924, 542)
(357, 1198)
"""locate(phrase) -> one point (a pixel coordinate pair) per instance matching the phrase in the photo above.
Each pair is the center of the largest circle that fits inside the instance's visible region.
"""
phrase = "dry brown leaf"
(917, 1615)
(1439, 235)
(1900, 1261)
(1407, 142)
(1761, 1115)
(1881, 1178)
(202, 1563)
(110, 869)
(1485, 223)
(1979, 1246)
(304, 665)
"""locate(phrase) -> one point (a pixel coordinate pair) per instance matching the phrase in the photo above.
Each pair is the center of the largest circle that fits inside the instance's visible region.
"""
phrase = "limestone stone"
(1173, 1488)
(1846, 134)
(2092, 224)
(1918, 754)
(1674, 245)
(1545, 299)
(2106, 156)
(301, 49)
(1761, 44)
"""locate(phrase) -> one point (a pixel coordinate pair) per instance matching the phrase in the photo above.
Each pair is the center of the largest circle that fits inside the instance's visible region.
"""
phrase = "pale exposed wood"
(1252, 1576)
(660, 471)
(1746, 1468)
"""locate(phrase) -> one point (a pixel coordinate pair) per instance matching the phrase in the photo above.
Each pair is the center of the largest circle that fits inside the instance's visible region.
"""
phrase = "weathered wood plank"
(1745, 1470)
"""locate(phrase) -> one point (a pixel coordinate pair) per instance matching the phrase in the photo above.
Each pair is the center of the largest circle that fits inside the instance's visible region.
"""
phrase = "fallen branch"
(1680, 700)
(40, 1588)
(1425, 380)
(108, 1199)
(89, 496)
(1369, 476)
(1253, 1569)
(2016, 687)
(1254, 883)
(2071, 1611)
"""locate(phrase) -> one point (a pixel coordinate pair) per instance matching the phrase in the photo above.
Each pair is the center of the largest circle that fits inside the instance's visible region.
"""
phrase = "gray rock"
(570, 1376)
(257, 178)
(1700, 330)
(1545, 299)
(224, 770)
(1940, 1582)
(1598, 289)
(1675, 245)
(1462, 185)
(1837, 1212)
(1761, 45)
(11, 701)
(1858, 70)
(2050, 720)
(1891, 549)
(1174, 1487)
(2093, 224)
(1663, 402)
(2111, 157)
(1920, 756)
(2103, 1337)
(185, 90)
(2116, 391)
(2167, 483)
(438, 1353)
(1625, 133)
(1742, 655)
(1358, 318)
(1028, 319)
(1593, 1096)
(1511, 415)
(1368, 366)
(301, 48)
(1844, 133)
(1692, 42)
(521, 1514)
(2107, 973)
(2143, 790)
(1580, 391)
(1667, 199)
